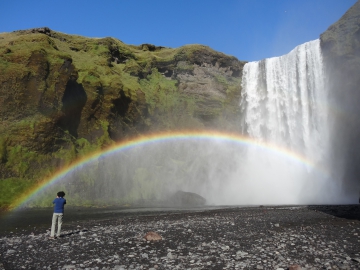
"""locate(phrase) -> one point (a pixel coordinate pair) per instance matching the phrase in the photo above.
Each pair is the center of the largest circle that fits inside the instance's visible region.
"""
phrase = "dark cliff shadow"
(340, 45)
(340, 211)
(73, 102)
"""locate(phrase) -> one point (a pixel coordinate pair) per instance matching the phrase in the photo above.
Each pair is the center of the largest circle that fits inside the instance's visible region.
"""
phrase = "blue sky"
(247, 29)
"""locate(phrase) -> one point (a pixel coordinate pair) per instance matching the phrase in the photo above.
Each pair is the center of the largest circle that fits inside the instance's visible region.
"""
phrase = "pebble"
(231, 238)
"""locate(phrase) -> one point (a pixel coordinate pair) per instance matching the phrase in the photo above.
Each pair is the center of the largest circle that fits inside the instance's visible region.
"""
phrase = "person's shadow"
(71, 233)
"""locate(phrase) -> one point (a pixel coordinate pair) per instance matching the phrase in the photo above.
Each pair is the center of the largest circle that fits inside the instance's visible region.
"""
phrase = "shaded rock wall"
(341, 50)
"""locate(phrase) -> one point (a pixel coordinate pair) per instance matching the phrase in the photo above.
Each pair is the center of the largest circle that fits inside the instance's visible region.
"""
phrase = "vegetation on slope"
(65, 96)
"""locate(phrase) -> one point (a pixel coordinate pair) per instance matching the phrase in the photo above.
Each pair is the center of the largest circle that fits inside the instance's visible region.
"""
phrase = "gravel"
(317, 237)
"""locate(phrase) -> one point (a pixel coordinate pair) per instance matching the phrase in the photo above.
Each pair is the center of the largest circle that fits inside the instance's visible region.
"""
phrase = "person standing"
(58, 214)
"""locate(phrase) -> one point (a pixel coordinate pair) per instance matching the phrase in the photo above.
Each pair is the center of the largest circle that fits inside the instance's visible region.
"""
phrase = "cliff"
(341, 50)
(64, 96)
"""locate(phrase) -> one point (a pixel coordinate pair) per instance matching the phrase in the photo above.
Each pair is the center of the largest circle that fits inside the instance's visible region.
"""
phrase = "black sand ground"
(315, 237)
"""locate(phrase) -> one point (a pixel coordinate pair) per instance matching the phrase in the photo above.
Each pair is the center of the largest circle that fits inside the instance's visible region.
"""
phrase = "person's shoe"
(52, 238)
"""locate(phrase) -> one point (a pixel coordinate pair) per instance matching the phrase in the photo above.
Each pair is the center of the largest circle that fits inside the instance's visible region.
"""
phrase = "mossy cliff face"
(341, 50)
(64, 96)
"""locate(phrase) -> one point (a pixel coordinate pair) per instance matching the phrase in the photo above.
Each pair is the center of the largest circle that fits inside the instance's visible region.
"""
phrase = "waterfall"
(284, 104)
(284, 99)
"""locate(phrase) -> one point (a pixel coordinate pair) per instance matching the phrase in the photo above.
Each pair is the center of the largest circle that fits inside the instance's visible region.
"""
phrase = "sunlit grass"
(98, 63)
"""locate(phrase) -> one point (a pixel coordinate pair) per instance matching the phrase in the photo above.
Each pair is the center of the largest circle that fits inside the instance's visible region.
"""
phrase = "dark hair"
(61, 194)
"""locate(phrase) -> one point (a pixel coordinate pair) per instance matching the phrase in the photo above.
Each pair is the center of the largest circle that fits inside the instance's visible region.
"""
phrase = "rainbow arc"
(157, 138)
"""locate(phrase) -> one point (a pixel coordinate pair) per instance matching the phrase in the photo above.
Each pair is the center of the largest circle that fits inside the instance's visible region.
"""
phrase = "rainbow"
(156, 138)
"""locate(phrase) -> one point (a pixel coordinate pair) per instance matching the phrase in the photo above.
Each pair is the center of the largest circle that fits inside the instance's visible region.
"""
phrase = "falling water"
(283, 101)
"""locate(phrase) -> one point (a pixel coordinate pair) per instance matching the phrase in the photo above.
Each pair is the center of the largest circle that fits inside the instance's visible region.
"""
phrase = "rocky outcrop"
(64, 96)
(187, 199)
(341, 50)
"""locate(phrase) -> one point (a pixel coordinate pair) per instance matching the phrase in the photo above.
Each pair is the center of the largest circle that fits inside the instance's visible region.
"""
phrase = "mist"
(343, 82)
(285, 101)
(299, 151)
(223, 172)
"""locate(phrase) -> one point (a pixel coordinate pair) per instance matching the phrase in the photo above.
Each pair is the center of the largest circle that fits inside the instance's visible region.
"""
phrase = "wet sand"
(312, 237)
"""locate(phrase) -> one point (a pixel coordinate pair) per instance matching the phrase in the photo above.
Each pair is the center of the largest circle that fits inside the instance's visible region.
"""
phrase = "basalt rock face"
(341, 50)
(64, 96)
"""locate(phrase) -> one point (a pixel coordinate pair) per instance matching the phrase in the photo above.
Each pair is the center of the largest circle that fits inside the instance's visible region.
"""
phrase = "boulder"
(189, 199)
(152, 236)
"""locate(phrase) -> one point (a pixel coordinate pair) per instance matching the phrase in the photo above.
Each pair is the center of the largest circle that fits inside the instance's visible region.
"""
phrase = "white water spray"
(284, 102)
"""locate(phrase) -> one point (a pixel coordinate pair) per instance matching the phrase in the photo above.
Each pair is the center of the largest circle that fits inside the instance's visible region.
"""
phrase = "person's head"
(61, 194)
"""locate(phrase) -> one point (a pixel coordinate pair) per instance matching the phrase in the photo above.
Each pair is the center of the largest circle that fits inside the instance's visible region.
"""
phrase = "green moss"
(20, 159)
(67, 155)
(153, 102)
(3, 64)
(233, 90)
(132, 67)
(11, 188)
(160, 92)
(92, 79)
(3, 150)
(130, 85)
(84, 147)
(104, 140)
(221, 79)
(185, 67)
(11, 70)
(172, 108)
(14, 156)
